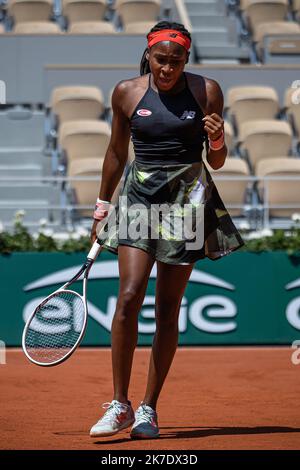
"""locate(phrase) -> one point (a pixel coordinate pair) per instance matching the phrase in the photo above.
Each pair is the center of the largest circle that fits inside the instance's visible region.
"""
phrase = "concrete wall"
(32, 66)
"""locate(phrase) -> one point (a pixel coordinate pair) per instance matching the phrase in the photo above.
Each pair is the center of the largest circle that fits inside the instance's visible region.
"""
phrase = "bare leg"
(170, 287)
(135, 266)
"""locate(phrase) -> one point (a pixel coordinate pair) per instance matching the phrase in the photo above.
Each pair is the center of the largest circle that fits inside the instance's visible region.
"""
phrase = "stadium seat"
(296, 9)
(131, 154)
(91, 27)
(243, 4)
(280, 191)
(37, 27)
(284, 28)
(138, 27)
(261, 11)
(83, 192)
(84, 10)
(84, 139)
(109, 97)
(2, 28)
(252, 102)
(233, 192)
(265, 139)
(131, 11)
(292, 108)
(30, 10)
(228, 136)
(71, 103)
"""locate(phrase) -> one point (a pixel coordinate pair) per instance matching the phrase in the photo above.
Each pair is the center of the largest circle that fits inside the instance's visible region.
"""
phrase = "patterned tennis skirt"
(173, 212)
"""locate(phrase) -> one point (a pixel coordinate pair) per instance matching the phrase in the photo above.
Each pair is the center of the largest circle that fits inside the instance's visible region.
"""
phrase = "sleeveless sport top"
(168, 128)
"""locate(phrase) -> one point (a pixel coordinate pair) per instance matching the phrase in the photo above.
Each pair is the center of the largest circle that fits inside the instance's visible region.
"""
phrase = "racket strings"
(56, 327)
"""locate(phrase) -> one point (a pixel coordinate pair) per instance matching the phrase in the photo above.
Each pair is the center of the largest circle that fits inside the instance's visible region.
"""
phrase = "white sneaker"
(118, 416)
(145, 425)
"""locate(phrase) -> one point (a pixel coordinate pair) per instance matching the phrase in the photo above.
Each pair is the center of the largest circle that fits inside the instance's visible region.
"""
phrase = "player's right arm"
(117, 152)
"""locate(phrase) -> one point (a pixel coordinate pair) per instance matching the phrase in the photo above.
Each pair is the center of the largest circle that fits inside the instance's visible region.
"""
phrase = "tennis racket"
(57, 325)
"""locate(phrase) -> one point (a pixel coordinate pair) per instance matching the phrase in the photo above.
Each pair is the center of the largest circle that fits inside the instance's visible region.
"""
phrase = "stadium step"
(211, 7)
(33, 192)
(20, 170)
(34, 211)
(211, 21)
(24, 156)
(207, 35)
(34, 198)
(221, 51)
(21, 128)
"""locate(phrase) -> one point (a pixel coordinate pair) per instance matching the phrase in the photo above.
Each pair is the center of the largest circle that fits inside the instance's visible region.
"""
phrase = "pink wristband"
(100, 211)
(217, 144)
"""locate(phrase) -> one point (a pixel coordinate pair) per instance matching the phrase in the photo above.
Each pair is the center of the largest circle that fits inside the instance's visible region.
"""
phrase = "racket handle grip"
(94, 251)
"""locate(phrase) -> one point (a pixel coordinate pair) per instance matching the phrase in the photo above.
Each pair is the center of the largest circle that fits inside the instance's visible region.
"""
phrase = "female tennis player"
(169, 114)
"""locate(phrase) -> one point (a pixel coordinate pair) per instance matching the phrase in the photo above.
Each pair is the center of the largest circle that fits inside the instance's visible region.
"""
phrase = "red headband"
(169, 35)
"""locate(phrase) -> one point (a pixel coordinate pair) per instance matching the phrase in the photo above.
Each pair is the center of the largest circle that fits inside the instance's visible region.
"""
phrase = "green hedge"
(20, 240)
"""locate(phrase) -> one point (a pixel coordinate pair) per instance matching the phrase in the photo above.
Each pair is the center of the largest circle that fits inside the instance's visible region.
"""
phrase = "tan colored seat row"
(265, 138)
(84, 139)
(267, 18)
(292, 106)
(259, 137)
(280, 192)
(286, 37)
(247, 103)
(228, 135)
(37, 27)
(260, 11)
(71, 103)
(264, 7)
(296, 8)
(41, 10)
(129, 11)
(89, 10)
(30, 10)
(79, 27)
(85, 191)
(233, 192)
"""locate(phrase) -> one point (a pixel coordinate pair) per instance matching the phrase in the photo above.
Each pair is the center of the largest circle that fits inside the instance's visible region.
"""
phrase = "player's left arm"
(214, 123)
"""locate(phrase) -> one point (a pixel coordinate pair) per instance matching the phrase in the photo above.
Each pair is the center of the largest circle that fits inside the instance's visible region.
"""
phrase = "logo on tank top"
(144, 112)
(188, 115)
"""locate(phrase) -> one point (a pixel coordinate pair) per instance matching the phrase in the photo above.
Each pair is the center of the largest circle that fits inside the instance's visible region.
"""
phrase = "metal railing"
(255, 210)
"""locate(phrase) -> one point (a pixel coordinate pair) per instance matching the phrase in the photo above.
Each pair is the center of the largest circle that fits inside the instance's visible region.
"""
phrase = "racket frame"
(93, 253)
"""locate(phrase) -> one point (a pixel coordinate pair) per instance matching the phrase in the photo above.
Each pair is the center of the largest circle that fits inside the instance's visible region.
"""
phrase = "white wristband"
(101, 200)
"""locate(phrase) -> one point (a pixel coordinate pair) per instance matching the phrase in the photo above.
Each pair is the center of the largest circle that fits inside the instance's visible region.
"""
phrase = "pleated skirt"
(173, 212)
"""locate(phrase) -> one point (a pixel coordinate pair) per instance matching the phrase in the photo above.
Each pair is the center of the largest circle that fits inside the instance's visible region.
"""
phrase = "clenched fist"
(214, 125)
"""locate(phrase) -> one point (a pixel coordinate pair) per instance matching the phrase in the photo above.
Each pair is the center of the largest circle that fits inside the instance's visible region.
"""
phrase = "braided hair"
(144, 65)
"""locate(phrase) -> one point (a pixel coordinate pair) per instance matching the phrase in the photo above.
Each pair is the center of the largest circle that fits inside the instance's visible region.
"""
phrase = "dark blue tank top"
(167, 128)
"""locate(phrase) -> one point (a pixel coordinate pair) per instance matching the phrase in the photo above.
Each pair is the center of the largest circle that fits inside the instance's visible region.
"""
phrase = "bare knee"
(128, 304)
(167, 316)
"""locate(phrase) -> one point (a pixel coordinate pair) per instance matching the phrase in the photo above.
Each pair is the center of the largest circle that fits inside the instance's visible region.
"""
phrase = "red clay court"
(214, 398)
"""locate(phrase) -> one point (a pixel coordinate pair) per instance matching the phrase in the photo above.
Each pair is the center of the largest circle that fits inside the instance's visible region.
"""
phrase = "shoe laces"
(145, 414)
(112, 410)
